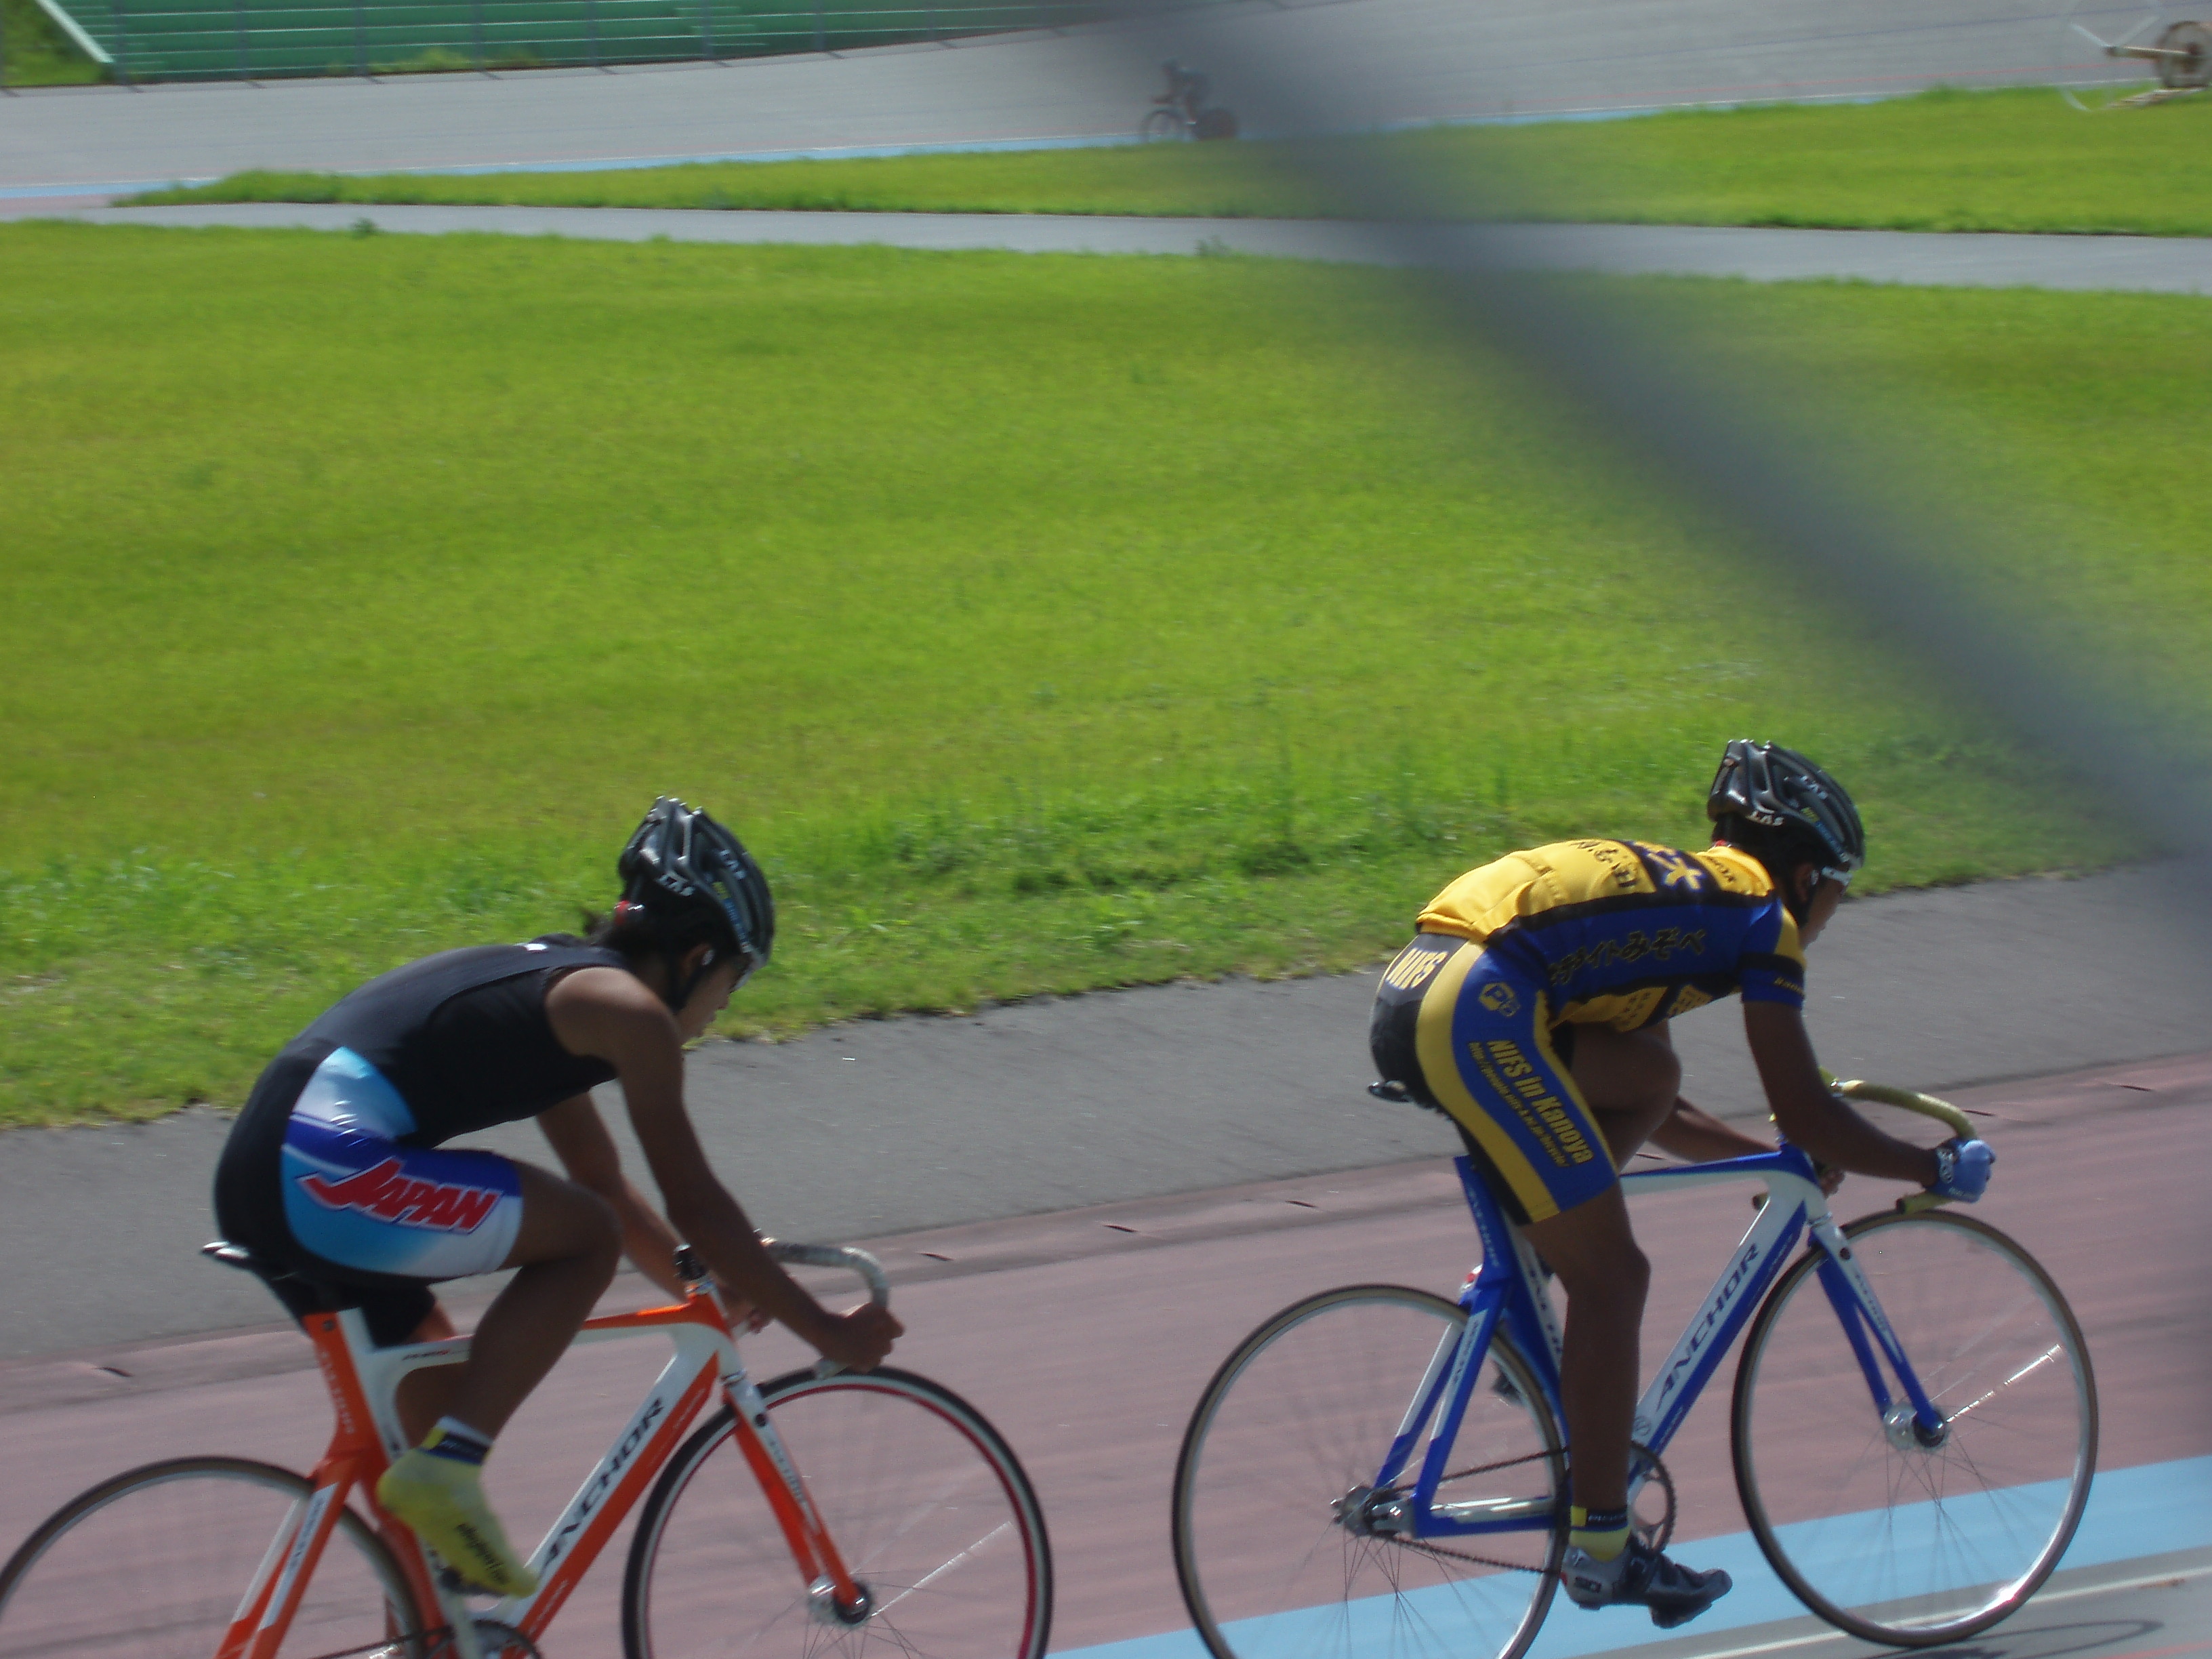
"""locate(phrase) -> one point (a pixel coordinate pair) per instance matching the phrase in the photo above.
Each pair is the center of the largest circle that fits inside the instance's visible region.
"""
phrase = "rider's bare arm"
(1809, 1115)
(587, 1152)
(609, 1013)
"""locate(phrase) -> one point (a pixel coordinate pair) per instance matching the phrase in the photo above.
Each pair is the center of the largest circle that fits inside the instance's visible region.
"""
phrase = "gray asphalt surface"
(891, 1126)
(1391, 61)
(2147, 264)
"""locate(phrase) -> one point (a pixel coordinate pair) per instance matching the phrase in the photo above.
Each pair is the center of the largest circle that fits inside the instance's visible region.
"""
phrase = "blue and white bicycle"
(1379, 1470)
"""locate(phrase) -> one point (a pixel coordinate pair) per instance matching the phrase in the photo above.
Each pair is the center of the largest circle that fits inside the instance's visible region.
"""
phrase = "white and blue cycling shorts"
(355, 1196)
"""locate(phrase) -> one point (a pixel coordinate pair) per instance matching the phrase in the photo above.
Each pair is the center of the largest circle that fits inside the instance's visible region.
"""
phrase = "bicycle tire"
(1299, 1415)
(1894, 1542)
(921, 1495)
(1161, 126)
(191, 1551)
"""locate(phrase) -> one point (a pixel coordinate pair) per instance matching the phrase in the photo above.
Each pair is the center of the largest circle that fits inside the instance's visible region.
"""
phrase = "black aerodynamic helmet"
(1778, 791)
(685, 870)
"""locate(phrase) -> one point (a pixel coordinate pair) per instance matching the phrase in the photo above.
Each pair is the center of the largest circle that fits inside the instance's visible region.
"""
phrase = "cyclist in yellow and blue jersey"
(1533, 1007)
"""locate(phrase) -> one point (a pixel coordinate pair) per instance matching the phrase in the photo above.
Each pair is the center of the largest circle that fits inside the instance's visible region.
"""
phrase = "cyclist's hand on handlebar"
(859, 1339)
(1962, 1169)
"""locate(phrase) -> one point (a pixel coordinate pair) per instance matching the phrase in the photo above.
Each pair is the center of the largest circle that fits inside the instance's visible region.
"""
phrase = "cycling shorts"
(1470, 1036)
(352, 1208)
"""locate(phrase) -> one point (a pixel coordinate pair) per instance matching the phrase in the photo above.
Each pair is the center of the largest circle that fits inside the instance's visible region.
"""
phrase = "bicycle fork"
(1913, 1422)
(833, 1596)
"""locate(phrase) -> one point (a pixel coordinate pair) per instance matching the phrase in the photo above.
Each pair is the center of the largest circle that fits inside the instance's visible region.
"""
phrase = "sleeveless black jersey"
(464, 1037)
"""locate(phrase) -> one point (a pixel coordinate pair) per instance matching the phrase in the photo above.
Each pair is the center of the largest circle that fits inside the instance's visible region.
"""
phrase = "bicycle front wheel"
(1881, 1535)
(154, 1563)
(926, 1505)
(1276, 1563)
(1163, 126)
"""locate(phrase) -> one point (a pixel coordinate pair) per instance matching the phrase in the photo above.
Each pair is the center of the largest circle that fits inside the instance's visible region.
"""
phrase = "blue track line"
(2151, 1510)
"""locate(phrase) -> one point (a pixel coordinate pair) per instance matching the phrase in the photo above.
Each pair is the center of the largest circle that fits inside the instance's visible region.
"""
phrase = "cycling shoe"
(442, 1503)
(1640, 1576)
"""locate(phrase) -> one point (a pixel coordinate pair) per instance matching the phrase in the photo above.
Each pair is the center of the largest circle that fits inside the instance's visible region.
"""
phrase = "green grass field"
(37, 53)
(1044, 622)
(2018, 160)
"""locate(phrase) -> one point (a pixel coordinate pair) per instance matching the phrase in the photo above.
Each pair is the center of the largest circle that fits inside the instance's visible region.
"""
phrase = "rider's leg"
(566, 1249)
(1472, 1032)
(1629, 1080)
(424, 1396)
(1594, 1253)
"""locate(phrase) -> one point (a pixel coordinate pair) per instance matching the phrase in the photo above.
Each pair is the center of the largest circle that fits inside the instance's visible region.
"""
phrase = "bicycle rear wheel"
(1299, 1417)
(929, 1507)
(153, 1565)
(1891, 1540)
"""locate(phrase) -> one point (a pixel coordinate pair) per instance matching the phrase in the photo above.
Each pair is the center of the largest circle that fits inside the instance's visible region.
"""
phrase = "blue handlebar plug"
(1962, 1169)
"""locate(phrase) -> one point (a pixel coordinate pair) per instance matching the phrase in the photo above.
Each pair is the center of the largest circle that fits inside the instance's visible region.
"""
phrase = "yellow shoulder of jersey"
(1740, 872)
(1527, 883)
(1565, 872)
(1734, 872)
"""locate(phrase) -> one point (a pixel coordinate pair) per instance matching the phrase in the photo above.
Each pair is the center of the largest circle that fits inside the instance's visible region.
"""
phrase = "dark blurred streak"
(1739, 454)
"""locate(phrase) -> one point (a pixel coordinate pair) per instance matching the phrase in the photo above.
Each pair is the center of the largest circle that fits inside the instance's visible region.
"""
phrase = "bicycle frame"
(1507, 1286)
(363, 1380)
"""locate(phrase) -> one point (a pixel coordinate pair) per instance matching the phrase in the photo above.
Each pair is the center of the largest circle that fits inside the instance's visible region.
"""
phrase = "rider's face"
(1822, 907)
(708, 998)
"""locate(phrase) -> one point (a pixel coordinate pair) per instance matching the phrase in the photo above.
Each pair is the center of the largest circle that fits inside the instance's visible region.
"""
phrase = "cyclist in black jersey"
(336, 1170)
(1533, 1008)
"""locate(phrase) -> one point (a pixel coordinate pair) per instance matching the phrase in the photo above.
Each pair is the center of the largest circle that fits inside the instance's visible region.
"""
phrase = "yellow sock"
(1601, 1533)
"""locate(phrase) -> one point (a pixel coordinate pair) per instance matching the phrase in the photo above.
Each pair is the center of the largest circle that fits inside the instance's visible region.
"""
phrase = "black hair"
(1780, 853)
(641, 936)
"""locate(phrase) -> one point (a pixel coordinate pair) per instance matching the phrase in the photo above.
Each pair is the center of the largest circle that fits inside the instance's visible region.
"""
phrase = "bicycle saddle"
(328, 1298)
(234, 1255)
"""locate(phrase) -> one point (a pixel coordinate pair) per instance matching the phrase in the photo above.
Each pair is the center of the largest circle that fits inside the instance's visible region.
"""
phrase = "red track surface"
(1087, 1344)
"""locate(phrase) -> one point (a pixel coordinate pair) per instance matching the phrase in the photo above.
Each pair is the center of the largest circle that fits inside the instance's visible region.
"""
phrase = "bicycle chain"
(1422, 1546)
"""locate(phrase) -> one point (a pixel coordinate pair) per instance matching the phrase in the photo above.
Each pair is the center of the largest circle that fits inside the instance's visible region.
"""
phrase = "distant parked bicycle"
(1183, 112)
(1379, 1469)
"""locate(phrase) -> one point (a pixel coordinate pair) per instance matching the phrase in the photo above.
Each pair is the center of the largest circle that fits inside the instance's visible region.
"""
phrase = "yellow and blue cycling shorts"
(1469, 1034)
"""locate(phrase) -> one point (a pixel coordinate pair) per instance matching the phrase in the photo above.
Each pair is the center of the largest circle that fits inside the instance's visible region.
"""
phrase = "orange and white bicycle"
(913, 1531)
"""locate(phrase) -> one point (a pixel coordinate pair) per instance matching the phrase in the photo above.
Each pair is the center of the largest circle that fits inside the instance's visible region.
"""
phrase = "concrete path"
(1088, 1336)
(885, 1127)
(2140, 263)
(1390, 61)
